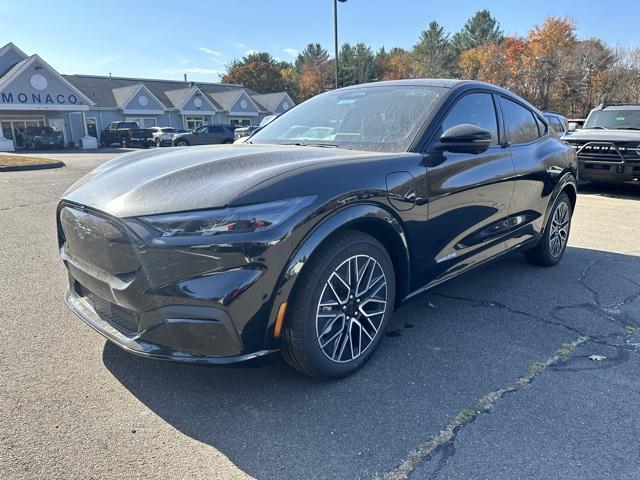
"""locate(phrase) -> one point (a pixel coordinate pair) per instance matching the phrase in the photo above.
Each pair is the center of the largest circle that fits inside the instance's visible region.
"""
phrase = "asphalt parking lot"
(512, 371)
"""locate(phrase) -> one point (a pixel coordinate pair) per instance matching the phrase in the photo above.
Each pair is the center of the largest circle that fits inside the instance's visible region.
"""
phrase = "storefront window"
(191, 123)
(92, 128)
(240, 122)
(143, 122)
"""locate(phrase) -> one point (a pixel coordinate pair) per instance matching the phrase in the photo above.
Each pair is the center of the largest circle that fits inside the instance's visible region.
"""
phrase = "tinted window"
(476, 109)
(215, 129)
(520, 124)
(555, 124)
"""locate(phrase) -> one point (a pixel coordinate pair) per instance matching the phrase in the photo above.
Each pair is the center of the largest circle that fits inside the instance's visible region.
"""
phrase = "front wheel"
(124, 143)
(556, 234)
(340, 308)
(181, 143)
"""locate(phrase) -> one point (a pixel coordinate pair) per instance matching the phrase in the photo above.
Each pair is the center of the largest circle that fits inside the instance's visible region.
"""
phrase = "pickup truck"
(608, 146)
(126, 134)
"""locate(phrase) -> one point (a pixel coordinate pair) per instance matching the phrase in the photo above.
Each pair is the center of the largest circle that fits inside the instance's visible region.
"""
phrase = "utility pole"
(335, 36)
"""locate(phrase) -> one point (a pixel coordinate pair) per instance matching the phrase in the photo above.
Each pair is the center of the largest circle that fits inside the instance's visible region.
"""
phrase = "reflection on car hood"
(178, 179)
(599, 135)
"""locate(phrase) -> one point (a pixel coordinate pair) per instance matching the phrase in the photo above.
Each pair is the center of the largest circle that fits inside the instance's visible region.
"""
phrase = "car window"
(200, 130)
(215, 129)
(520, 123)
(477, 109)
(378, 118)
(555, 123)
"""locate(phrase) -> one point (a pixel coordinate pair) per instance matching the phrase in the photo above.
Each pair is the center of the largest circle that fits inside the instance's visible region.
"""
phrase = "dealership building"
(32, 93)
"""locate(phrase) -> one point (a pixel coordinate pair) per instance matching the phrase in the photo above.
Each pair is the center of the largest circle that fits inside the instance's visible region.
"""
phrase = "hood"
(599, 135)
(179, 179)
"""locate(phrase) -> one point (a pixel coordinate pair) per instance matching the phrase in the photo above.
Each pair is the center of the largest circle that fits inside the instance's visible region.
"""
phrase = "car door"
(532, 148)
(215, 135)
(469, 193)
(199, 136)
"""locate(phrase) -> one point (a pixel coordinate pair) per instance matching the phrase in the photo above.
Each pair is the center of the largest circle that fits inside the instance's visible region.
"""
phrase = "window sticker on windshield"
(346, 101)
(620, 119)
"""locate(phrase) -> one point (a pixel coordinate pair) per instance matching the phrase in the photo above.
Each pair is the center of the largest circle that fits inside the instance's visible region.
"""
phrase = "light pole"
(335, 34)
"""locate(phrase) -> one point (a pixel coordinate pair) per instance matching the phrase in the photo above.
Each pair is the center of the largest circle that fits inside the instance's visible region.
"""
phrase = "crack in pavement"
(445, 440)
(448, 435)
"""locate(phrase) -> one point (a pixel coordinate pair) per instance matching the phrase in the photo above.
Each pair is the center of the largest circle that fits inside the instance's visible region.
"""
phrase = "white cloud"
(291, 51)
(250, 52)
(203, 70)
(210, 52)
(239, 45)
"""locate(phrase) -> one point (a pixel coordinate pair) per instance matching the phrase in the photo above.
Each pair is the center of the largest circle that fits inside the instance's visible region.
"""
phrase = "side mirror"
(464, 138)
(573, 126)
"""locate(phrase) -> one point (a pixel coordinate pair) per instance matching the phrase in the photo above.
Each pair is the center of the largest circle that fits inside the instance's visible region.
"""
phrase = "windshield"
(43, 131)
(379, 119)
(614, 119)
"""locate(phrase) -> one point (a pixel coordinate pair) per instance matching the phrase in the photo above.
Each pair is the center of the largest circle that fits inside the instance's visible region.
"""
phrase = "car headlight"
(248, 218)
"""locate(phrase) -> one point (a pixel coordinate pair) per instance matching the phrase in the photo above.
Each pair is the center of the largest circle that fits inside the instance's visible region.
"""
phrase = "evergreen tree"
(432, 56)
(480, 29)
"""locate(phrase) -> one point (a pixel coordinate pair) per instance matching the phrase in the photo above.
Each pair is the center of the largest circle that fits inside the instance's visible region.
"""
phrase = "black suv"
(608, 146)
(205, 135)
(42, 137)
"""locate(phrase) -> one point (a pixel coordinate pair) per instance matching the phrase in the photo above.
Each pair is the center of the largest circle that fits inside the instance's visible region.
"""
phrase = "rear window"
(520, 124)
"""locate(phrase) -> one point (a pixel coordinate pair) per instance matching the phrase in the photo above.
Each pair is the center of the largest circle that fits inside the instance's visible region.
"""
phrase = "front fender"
(360, 216)
(567, 180)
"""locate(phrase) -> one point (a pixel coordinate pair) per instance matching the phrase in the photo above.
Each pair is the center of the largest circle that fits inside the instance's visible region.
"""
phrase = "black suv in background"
(126, 134)
(42, 137)
(205, 135)
(608, 146)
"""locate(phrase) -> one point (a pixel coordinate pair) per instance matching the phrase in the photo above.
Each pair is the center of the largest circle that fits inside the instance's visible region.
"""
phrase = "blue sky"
(158, 39)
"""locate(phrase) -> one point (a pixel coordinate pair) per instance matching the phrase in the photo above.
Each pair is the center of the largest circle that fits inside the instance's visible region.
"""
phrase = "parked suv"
(205, 135)
(306, 245)
(42, 137)
(608, 146)
(163, 136)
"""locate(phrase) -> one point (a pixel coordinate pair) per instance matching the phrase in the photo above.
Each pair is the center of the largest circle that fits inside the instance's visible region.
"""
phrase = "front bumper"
(173, 338)
(205, 303)
(600, 171)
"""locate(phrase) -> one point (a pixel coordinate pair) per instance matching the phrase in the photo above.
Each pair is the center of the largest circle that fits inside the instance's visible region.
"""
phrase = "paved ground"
(487, 377)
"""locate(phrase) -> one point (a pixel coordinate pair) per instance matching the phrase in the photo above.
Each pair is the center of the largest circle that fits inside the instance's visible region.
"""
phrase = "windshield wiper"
(318, 144)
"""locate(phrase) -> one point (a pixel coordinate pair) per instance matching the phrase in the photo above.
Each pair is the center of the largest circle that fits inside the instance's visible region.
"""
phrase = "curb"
(37, 166)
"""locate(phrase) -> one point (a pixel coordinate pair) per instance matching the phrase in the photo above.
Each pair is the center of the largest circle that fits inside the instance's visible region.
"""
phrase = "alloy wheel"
(352, 306)
(559, 229)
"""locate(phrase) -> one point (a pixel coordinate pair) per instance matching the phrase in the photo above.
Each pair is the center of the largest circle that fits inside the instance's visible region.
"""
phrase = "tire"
(124, 143)
(105, 144)
(181, 143)
(548, 252)
(347, 346)
(158, 143)
(227, 141)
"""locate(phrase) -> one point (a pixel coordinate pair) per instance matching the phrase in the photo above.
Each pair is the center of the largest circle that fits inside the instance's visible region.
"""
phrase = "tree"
(356, 65)
(393, 65)
(313, 71)
(548, 47)
(431, 56)
(313, 54)
(257, 71)
(480, 29)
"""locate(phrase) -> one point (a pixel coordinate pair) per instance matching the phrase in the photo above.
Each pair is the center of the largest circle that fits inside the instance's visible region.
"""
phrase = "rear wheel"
(556, 234)
(181, 143)
(341, 307)
(124, 143)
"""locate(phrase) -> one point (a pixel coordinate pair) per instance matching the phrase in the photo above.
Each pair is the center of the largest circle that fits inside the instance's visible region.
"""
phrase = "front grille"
(607, 151)
(124, 320)
(95, 240)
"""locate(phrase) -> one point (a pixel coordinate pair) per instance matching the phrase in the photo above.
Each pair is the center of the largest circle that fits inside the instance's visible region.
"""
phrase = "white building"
(32, 93)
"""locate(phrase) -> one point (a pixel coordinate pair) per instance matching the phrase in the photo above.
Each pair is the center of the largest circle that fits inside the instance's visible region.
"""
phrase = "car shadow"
(611, 190)
(442, 352)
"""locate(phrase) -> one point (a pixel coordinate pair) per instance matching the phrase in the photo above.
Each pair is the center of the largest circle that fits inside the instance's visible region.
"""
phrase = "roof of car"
(629, 106)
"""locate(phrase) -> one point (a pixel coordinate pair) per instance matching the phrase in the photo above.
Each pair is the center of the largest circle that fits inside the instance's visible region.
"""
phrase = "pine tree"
(431, 56)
